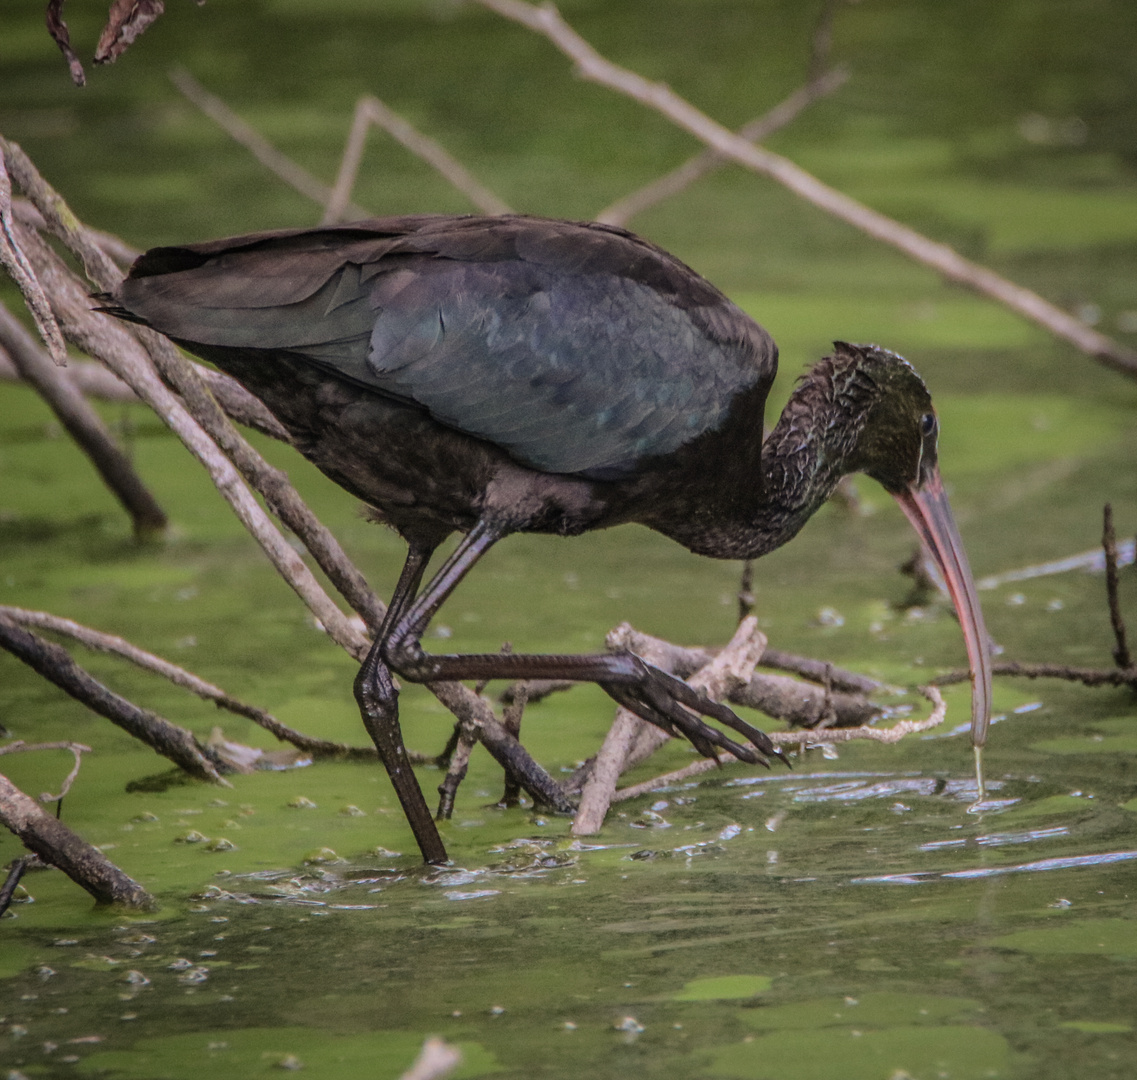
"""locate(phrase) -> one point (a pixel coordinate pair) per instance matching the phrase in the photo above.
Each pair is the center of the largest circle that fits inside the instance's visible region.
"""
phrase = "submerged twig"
(1121, 652)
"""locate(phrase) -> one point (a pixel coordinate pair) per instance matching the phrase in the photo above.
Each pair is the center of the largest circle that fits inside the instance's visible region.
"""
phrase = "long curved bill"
(928, 509)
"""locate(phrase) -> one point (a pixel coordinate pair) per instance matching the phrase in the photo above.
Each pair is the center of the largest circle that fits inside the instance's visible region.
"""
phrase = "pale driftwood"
(632, 740)
(54, 664)
(370, 110)
(13, 259)
(88, 377)
(292, 174)
(436, 1059)
(83, 424)
(56, 844)
(694, 168)
(187, 680)
(591, 65)
(118, 249)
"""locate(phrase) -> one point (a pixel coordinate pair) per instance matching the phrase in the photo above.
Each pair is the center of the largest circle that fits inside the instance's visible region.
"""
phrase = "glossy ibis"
(492, 375)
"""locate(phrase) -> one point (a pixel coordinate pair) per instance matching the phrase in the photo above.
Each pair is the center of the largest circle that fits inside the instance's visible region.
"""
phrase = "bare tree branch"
(683, 176)
(296, 176)
(83, 424)
(370, 110)
(54, 664)
(21, 272)
(179, 676)
(591, 65)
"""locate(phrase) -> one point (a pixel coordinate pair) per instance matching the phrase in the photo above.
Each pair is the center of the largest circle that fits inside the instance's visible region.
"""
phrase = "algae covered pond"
(848, 919)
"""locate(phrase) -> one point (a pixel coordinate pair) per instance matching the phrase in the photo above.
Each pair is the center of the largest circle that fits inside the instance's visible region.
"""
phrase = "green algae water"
(846, 920)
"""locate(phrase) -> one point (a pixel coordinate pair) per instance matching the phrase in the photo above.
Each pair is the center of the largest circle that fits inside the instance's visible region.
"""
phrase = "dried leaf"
(125, 21)
(57, 28)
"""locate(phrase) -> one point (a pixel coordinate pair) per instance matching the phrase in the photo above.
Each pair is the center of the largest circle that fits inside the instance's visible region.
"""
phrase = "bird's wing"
(576, 348)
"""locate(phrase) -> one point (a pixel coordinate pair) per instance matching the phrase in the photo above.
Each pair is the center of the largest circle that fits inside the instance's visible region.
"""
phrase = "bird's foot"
(675, 707)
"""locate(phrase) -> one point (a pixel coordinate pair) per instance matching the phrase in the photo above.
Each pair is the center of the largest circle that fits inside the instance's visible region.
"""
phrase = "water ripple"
(1066, 862)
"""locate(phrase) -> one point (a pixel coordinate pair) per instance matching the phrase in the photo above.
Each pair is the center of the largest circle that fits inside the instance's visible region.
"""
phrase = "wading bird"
(493, 375)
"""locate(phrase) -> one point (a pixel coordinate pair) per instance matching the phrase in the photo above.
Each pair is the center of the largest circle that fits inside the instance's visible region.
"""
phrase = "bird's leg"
(379, 705)
(648, 692)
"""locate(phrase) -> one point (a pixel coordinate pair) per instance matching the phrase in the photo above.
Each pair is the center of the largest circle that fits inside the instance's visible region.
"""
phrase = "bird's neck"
(803, 460)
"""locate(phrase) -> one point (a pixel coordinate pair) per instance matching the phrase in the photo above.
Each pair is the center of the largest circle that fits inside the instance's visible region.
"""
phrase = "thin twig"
(370, 110)
(940, 257)
(1121, 652)
(694, 168)
(1068, 672)
(76, 749)
(292, 174)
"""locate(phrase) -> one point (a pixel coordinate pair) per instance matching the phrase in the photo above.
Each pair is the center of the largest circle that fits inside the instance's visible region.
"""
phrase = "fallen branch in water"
(187, 680)
(632, 740)
(56, 844)
(54, 664)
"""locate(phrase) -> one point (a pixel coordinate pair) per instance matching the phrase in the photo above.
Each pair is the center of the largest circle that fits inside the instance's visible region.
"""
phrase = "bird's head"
(897, 445)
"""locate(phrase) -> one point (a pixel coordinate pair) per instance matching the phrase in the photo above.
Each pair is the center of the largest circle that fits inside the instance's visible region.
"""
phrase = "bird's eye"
(928, 424)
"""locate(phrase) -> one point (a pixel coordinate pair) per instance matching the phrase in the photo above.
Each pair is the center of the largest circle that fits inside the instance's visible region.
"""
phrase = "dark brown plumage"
(514, 374)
